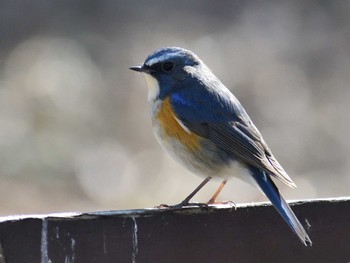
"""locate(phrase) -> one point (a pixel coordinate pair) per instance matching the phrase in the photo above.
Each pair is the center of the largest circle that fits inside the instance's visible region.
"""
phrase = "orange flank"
(172, 128)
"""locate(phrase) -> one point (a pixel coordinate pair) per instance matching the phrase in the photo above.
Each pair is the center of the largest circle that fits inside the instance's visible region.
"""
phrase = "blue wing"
(213, 112)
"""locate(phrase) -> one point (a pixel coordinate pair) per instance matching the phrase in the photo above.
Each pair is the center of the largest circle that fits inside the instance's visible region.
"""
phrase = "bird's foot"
(181, 205)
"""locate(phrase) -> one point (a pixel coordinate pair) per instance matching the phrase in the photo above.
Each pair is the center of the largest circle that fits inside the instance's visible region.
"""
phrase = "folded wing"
(223, 120)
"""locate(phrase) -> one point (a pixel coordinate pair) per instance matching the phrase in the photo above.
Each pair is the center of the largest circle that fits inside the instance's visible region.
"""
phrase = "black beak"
(144, 69)
(137, 68)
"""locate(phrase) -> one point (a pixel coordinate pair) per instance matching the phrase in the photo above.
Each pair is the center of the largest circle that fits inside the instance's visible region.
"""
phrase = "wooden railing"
(247, 233)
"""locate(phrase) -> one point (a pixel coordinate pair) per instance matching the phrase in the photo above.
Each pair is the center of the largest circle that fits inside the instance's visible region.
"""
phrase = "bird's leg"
(186, 201)
(194, 192)
(218, 191)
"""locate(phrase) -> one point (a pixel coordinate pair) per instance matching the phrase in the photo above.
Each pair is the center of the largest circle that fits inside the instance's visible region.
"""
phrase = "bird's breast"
(183, 145)
(171, 128)
(198, 154)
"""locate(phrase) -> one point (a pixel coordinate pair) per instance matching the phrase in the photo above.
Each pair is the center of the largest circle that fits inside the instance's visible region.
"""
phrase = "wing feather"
(223, 120)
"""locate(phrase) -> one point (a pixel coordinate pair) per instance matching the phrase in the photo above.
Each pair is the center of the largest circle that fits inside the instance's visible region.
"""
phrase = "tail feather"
(270, 190)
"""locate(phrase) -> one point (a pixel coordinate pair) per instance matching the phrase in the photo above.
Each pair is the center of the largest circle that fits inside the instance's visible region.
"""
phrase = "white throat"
(153, 88)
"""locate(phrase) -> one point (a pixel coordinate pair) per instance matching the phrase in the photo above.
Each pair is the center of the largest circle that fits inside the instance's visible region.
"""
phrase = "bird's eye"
(167, 66)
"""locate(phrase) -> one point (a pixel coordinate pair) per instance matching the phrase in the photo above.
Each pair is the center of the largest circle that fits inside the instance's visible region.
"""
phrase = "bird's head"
(166, 68)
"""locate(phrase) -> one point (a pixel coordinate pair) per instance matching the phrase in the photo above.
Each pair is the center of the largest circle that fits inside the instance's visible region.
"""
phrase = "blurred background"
(75, 130)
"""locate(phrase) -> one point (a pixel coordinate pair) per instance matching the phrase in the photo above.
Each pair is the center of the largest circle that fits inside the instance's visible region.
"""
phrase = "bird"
(202, 125)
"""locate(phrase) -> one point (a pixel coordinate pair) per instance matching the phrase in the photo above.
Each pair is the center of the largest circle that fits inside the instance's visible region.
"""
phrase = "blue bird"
(200, 123)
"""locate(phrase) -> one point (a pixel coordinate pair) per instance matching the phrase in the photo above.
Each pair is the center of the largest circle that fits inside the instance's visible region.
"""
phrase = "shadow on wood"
(250, 233)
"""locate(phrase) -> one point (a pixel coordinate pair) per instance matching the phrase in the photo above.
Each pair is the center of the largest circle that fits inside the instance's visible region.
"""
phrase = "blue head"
(167, 68)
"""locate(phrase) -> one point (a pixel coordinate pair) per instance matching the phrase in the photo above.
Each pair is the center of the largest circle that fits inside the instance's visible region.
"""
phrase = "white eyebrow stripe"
(159, 59)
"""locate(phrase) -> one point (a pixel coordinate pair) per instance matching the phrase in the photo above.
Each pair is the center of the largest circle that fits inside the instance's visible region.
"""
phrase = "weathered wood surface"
(250, 233)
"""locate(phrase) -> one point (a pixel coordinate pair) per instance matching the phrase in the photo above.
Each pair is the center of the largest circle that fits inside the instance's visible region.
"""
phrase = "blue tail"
(270, 190)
